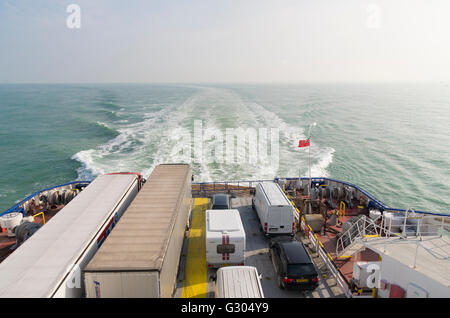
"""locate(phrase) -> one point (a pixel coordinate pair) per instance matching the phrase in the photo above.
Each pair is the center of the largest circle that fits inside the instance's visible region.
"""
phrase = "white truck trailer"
(225, 238)
(141, 256)
(275, 212)
(49, 263)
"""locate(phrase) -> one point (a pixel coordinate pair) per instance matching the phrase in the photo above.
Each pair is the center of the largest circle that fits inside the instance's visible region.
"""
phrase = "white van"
(275, 212)
(225, 238)
(238, 282)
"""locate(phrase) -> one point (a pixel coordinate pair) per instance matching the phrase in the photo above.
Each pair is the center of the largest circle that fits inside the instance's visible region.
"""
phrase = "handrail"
(327, 259)
(362, 227)
(233, 181)
(384, 231)
(381, 205)
(43, 216)
(342, 208)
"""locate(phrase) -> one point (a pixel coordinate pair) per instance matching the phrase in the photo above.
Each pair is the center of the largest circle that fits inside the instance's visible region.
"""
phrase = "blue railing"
(380, 205)
(376, 203)
(227, 183)
(17, 208)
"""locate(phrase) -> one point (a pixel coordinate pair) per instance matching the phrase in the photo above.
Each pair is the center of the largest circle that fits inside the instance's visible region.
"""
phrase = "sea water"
(393, 140)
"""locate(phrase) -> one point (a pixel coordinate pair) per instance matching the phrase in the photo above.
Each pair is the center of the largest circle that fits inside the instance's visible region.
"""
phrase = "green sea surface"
(393, 140)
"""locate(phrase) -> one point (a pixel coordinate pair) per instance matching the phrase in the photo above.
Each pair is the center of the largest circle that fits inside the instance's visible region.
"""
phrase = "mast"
(309, 159)
(309, 207)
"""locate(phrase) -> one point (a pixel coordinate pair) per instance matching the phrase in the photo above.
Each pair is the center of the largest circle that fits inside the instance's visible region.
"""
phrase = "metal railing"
(363, 228)
(366, 228)
(423, 224)
(225, 186)
(341, 281)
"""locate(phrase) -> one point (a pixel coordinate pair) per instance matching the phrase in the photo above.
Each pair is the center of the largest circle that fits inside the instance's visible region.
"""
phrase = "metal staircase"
(351, 241)
(364, 229)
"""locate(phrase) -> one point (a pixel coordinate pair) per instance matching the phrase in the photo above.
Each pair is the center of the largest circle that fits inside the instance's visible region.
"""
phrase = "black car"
(293, 265)
(220, 202)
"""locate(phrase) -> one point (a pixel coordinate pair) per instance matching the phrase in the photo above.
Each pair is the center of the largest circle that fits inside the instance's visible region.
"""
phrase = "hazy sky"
(225, 41)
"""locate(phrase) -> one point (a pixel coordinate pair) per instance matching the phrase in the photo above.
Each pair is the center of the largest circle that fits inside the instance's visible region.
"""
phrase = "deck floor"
(195, 279)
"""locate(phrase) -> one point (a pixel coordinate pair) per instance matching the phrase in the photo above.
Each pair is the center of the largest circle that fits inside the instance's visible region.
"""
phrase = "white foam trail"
(100, 123)
(319, 169)
(87, 170)
(297, 157)
(143, 145)
(113, 155)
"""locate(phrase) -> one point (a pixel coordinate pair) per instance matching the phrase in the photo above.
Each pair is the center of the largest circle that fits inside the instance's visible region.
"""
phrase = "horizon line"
(232, 83)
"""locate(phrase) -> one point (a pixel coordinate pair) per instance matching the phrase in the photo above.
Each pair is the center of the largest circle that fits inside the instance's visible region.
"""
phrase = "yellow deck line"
(194, 285)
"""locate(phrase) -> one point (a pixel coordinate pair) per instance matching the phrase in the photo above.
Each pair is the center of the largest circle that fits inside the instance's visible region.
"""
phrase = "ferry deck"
(335, 266)
(335, 269)
(195, 280)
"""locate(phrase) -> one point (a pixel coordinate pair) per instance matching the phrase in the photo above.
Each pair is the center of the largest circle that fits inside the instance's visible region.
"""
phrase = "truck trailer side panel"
(49, 263)
(170, 265)
(122, 284)
(149, 236)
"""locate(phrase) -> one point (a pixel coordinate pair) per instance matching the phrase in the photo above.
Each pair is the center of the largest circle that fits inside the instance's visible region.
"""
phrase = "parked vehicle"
(238, 282)
(221, 202)
(50, 262)
(293, 265)
(275, 212)
(225, 238)
(141, 256)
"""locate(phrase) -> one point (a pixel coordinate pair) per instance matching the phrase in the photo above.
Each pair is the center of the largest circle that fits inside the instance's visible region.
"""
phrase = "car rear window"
(220, 200)
(301, 269)
(220, 207)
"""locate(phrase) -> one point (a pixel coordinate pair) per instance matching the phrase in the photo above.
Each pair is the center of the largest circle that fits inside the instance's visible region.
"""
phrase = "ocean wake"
(155, 137)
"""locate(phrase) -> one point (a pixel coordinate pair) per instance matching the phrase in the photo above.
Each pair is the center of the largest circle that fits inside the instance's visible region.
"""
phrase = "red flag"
(303, 143)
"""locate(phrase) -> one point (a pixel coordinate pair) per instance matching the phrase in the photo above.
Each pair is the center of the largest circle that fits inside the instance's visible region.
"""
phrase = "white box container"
(275, 212)
(238, 282)
(362, 273)
(225, 238)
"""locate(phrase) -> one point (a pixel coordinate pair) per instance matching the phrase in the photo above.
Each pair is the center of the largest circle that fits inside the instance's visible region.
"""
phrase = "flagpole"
(309, 159)
(309, 209)
(309, 163)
